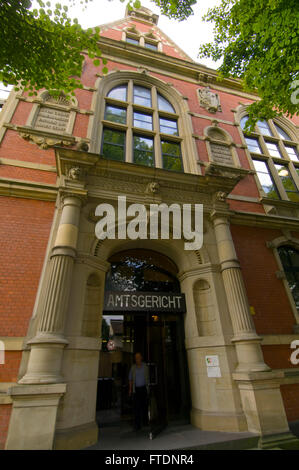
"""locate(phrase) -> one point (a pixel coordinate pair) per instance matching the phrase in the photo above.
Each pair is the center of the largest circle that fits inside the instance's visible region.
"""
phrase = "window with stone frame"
(149, 41)
(289, 257)
(141, 126)
(275, 159)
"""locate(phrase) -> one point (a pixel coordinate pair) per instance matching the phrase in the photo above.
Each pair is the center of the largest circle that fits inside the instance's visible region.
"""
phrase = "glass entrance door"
(157, 402)
(160, 339)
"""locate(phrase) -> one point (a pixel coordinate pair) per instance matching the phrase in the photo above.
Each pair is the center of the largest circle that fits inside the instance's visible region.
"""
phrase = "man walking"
(138, 386)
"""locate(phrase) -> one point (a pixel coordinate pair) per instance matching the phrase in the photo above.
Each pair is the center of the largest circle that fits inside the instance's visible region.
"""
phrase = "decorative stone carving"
(153, 187)
(76, 173)
(61, 99)
(221, 196)
(209, 100)
(83, 146)
(216, 134)
(143, 13)
(216, 169)
(44, 142)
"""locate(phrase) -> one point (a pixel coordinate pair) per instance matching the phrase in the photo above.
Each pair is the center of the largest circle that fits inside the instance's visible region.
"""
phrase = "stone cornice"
(27, 189)
(254, 219)
(198, 72)
(107, 178)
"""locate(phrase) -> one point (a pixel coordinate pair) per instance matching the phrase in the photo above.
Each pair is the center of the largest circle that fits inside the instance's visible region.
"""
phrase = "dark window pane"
(171, 156)
(172, 163)
(288, 183)
(164, 105)
(132, 41)
(264, 128)
(143, 151)
(142, 96)
(144, 121)
(290, 260)
(149, 45)
(253, 145)
(113, 145)
(171, 148)
(118, 93)
(265, 179)
(282, 133)
(114, 114)
(168, 126)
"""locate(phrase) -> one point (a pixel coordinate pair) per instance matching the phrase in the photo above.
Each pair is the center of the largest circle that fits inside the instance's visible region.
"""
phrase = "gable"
(138, 27)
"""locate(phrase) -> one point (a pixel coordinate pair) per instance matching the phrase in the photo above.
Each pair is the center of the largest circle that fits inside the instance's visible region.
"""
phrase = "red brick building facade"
(261, 203)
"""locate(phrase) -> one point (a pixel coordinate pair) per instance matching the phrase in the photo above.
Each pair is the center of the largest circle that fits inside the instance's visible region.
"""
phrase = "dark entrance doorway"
(159, 336)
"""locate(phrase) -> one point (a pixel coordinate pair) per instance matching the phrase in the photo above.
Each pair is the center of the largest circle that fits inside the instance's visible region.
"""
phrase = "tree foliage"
(259, 43)
(257, 40)
(177, 9)
(42, 48)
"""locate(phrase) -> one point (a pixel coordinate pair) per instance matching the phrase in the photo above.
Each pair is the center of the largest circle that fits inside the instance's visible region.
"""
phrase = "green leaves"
(258, 41)
(178, 9)
(43, 48)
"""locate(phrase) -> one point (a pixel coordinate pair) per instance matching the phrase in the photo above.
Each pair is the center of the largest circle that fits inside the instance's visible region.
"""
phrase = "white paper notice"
(213, 369)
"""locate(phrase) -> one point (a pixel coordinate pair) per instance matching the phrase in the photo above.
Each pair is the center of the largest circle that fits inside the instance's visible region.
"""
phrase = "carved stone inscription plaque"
(221, 154)
(53, 120)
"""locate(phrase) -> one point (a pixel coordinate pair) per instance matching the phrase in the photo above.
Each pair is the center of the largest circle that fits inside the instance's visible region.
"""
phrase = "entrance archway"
(152, 328)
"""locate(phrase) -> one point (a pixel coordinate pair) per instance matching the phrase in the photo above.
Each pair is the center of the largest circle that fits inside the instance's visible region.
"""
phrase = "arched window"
(141, 126)
(275, 158)
(289, 257)
(142, 270)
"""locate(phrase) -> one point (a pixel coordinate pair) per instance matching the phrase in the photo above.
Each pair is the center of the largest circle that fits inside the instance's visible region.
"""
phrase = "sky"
(188, 34)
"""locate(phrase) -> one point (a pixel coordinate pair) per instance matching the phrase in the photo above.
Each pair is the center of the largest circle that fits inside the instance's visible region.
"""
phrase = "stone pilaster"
(47, 346)
(259, 386)
(247, 342)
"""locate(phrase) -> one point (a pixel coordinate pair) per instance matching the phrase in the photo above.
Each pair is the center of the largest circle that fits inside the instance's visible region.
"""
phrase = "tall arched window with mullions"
(289, 257)
(275, 158)
(141, 126)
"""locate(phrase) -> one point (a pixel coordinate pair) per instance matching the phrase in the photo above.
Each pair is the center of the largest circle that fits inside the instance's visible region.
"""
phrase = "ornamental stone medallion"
(209, 100)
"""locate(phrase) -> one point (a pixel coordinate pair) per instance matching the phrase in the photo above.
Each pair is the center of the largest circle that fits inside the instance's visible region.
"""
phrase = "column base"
(33, 418)
(36, 379)
(249, 353)
(217, 421)
(262, 402)
(78, 437)
(45, 358)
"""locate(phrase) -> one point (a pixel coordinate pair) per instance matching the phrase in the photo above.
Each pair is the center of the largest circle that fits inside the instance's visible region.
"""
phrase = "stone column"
(47, 346)
(259, 386)
(247, 342)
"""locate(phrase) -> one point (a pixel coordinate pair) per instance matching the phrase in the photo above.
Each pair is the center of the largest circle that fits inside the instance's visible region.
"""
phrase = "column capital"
(73, 197)
(222, 214)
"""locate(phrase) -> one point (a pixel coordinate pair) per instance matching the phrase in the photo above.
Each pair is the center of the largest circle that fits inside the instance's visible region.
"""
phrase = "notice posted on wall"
(213, 368)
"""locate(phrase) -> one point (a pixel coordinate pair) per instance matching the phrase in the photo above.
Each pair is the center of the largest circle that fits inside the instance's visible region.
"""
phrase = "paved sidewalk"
(173, 437)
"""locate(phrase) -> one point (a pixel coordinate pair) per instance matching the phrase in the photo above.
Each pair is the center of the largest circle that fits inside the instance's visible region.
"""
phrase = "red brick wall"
(25, 225)
(266, 293)
(5, 411)
(10, 370)
(290, 395)
(277, 356)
